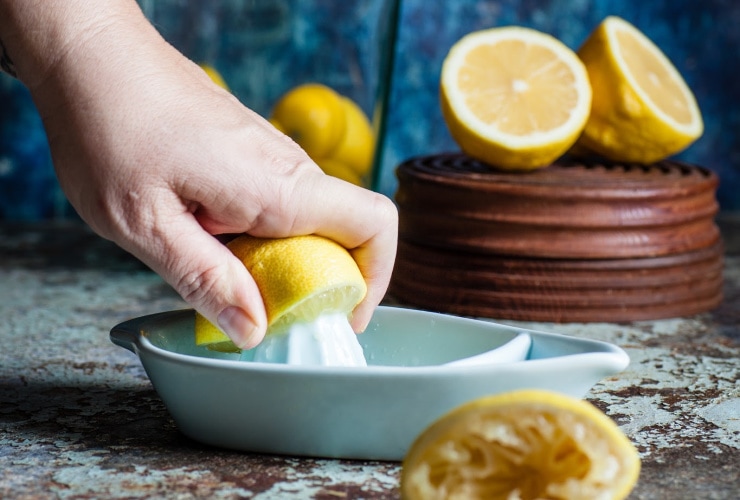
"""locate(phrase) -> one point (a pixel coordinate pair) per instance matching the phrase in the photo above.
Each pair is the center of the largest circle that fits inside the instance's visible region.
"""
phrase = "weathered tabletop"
(79, 418)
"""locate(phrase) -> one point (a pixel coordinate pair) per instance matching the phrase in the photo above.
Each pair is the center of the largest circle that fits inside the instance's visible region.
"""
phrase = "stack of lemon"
(518, 99)
(334, 131)
(331, 128)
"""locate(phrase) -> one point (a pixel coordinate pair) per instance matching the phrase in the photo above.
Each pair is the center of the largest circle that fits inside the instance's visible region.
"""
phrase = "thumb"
(212, 280)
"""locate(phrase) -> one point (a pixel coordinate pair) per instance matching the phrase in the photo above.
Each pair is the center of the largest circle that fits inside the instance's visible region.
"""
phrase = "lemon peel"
(643, 110)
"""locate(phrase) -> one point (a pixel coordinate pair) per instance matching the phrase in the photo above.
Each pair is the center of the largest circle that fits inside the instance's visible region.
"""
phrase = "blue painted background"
(702, 39)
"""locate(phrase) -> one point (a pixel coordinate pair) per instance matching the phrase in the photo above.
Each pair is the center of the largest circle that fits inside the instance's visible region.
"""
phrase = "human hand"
(157, 158)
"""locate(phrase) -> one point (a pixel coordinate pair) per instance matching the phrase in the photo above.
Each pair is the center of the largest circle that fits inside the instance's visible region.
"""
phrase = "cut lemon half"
(643, 111)
(514, 97)
(527, 444)
(299, 278)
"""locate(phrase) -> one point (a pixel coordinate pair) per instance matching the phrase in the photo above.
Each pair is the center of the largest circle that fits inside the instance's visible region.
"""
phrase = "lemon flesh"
(514, 97)
(642, 111)
(527, 444)
(301, 279)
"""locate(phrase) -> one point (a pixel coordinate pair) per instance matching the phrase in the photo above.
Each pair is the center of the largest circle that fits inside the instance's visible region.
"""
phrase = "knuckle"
(197, 286)
(386, 211)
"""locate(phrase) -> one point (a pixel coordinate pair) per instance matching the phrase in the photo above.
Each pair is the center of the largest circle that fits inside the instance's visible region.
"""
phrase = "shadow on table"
(129, 421)
(126, 434)
(61, 245)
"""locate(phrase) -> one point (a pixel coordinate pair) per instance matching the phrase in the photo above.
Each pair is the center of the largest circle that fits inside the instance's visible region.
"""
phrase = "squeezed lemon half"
(524, 445)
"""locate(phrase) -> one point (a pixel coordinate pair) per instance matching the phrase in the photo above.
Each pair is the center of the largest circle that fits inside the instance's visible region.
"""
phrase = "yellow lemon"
(526, 444)
(331, 128)
(214, 75)
(300, 278)
(336, 168)
(642, 110)
(313, 116)
(514, 97)
(357, 146)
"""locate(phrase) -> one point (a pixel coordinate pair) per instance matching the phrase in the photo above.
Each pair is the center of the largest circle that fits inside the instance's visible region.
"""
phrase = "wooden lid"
(571, 209)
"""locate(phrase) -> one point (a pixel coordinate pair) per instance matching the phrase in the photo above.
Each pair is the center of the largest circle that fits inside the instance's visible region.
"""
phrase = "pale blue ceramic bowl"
(373, 412)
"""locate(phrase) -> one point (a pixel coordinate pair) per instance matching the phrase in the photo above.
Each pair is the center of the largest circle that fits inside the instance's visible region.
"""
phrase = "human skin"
(157, 158)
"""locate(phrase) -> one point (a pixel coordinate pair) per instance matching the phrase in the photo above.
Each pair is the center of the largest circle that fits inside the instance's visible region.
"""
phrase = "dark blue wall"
(702, 39)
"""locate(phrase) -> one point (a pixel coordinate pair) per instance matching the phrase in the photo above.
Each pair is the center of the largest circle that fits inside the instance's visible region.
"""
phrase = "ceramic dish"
(373, 412)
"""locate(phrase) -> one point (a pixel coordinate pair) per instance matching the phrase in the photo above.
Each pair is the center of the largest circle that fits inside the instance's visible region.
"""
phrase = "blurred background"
(241, 39)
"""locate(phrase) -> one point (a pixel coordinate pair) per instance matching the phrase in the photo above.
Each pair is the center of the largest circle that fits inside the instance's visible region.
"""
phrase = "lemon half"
(514, 97)
(300, 278)
(643, 111)
(524, 445)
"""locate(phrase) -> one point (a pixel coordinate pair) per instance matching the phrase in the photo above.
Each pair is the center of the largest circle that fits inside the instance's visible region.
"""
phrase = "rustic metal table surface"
(79, 418)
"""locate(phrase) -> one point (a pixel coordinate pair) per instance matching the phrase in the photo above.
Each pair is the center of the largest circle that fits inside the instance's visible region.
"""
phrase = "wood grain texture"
(568, 210)
(575, 242)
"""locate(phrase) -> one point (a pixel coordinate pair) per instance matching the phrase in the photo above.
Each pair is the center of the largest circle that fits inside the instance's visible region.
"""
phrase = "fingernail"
(238, 326)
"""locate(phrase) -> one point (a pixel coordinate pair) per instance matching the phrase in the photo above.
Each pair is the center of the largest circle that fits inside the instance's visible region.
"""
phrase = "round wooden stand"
(572, 242)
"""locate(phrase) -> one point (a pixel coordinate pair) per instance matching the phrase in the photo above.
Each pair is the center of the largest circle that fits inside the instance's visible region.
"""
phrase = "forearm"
(96, 70)
(42, 38)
